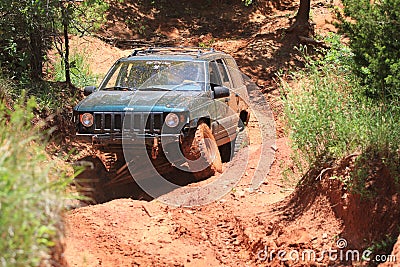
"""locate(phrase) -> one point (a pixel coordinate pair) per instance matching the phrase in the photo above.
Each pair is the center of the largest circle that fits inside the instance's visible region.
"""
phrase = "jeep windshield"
(156, 75)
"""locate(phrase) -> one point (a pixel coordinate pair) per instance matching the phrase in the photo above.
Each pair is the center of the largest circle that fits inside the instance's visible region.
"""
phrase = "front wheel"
(201, 152)
(90, 181)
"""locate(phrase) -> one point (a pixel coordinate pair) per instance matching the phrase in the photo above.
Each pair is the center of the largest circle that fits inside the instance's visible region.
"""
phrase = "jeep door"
(238, 85)
(225, 125)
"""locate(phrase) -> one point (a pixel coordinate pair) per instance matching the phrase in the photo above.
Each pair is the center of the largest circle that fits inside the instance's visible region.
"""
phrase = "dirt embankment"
(246, 227)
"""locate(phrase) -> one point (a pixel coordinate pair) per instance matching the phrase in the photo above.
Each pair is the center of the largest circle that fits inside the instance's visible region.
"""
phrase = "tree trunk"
(302, 25)
(36, 60)
(65, 22)
(66, 57)
(303, 15)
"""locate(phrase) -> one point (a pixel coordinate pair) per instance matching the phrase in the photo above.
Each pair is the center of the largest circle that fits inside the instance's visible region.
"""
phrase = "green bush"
(374, 31)
(26, 29)
(247, 2)
(329, 118)
(31, 190)
(29, 29)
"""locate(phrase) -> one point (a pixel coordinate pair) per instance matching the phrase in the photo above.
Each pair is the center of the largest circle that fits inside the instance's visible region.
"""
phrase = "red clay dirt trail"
(237, 229)
(129, 232)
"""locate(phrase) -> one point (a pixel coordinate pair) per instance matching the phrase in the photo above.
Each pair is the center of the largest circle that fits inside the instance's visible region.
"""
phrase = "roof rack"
(175, 50)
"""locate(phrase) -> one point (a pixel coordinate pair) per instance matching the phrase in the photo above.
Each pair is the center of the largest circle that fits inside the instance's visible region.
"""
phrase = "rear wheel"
(227, 150)
(201, 151)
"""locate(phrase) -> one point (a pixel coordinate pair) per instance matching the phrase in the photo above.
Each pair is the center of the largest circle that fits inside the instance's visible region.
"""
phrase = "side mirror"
(221, 91)
(88, 90)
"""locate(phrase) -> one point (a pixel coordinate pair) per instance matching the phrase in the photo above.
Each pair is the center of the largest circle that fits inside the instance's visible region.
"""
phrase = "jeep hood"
(140, 101)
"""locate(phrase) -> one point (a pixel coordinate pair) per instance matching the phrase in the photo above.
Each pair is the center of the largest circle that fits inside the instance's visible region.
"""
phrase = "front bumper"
(118, 139)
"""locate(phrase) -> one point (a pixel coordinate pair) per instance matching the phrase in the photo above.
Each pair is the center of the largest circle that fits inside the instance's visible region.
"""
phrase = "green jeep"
(180, 105)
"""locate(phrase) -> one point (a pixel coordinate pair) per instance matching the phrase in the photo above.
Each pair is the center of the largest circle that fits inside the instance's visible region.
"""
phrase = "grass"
(329, 117)
(31, 188)
(81, 74)
(50, 97)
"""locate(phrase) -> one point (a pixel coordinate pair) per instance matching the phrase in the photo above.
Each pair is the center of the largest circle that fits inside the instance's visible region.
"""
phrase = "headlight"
(86, 119)
(172, 120)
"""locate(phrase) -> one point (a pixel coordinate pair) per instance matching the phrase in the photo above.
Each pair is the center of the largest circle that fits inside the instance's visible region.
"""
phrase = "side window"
(214, 73)
(218, 73)
(224, 73)
(236, 75)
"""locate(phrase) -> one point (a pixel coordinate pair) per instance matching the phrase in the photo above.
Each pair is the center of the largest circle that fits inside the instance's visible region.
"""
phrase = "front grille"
(117, 122)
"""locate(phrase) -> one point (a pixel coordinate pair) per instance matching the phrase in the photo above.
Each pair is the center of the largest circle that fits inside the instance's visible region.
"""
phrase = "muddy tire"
(90, 182)
(201, 151)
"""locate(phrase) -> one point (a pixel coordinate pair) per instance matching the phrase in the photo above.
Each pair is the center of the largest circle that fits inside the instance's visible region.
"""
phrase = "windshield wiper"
(154, 89)
(119, 88)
